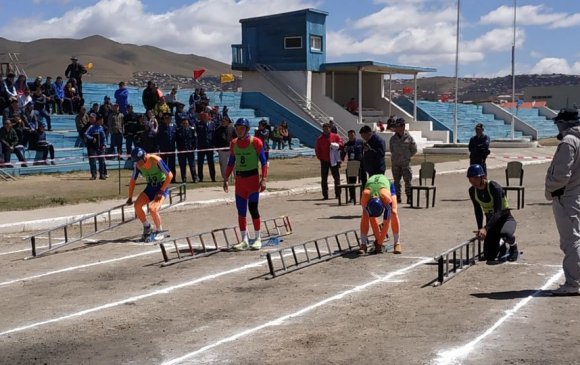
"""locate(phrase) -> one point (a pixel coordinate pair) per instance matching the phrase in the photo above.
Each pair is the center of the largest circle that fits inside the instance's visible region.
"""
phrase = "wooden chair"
(352, 170)
(426, 173)
(515, 170)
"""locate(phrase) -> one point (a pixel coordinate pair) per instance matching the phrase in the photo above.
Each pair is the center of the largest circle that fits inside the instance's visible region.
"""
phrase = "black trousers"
(334, 170)
(504, 228)
(201, 156)
(187, 159)
(169, 158)
(473, 160)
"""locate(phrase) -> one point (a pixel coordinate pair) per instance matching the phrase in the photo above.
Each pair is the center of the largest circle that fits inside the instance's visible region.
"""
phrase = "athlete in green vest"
(246, 153)
(489, 199)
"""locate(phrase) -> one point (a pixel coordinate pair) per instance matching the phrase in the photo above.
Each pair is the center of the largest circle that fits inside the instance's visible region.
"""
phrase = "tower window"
(315, 43)
(292, 42)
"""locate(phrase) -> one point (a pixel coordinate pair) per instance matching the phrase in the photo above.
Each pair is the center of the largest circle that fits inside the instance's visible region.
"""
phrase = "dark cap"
(74, 58)
(400, 122)
(567, 114)
(479, 126)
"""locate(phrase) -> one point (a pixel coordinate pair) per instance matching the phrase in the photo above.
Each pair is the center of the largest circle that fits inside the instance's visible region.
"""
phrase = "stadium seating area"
(545, 127)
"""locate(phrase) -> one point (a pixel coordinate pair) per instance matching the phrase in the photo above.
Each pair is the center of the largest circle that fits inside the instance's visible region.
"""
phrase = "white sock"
(396, 238)
(364, 240)
(258, 235)
(244, 235)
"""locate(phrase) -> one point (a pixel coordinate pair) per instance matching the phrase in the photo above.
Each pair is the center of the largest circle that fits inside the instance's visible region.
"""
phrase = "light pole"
(514, 76)
(455, 126)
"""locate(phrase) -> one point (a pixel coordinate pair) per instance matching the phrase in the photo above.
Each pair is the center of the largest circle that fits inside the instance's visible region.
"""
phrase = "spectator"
(24, 99)
(132, 128)
(166, 140)
(9, 140)
(171, 99)
(380, 126)
(72, 101)
(186, 142)
(352, 106)
(333, 127)
(41, 102)
(403, 147)
(479, 148)
(59, 95)
(222, 137)
(147, 139)
(276, 138)
(115, 125)
(76, 71)
(391, 122)
(285, 134)
(194, 99)
(152, 121)
(95, 140)
(150, 96)
(180, 113)
(20, 85)
(43, 145)
(562, 187)
(353, 150)
(7, 90)
(328, 145)
(48, 91)
(36, 84)
(82, 124)
(263, 133)
(12, 110)
(204, 131)
(161, 108)
(122, 97)
(374, 149)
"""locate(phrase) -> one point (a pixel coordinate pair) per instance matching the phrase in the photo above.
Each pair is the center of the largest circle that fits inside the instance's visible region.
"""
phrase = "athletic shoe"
(566, 290)
(242, 246)
(157, 236)
(363, 249)
(256, 245)
(376, 249)
(146, 234)
(513, 253)
(397, 249)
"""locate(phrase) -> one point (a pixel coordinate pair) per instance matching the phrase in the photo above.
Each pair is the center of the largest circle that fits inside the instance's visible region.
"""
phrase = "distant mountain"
(112, 61)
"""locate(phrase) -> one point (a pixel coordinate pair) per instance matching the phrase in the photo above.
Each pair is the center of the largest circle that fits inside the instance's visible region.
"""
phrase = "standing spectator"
(263, 133)
(276, 138)
(333, 127)
(76, 71)
(180, 113)
(115, 124)
(166, 140)
(59, 95)
(150, 96)
(186, 142)
(43, 145)
(122, 98)
(40, 102)
(48, 91)
(327, 147)
(353, 150)
(374, 149)
(82, 124)
(563, 189)
(171, 99)
(132, 128)
(479, 148)
(148, 137)
(95, 140)
(222, 137)
(161, 108)
(285, 134)
(403, 147)
(9, 140)
(204, 131)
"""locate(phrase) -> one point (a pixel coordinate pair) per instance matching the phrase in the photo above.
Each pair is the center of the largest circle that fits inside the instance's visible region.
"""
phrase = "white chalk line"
(453, 356)
(278, 321)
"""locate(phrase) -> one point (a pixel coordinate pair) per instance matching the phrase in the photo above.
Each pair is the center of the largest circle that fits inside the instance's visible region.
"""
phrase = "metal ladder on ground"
(15, 61)
(99, 222)
(4, 176)
(196, 245)
(304, 103)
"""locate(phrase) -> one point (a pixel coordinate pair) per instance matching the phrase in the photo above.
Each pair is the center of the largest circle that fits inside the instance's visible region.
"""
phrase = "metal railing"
(94, 221)
(313, 252)
(15, 61)
(457, 259)
(203, 244)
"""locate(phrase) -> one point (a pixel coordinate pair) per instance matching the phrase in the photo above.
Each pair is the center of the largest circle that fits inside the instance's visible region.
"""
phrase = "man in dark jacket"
(150, 96)
(132, 128)
(166, 140)
(76, 71)
(204, 130)
(479, 147)
(374, 149)
(353, 150)
(186, 141)
(222, 137)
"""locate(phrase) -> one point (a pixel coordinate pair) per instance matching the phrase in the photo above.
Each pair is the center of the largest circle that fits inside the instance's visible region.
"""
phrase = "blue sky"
(406, 32)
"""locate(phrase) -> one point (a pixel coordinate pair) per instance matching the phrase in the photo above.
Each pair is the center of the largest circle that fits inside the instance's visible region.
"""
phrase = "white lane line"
(280, 320)
(133, 299)
(454, 356)
(90, 240)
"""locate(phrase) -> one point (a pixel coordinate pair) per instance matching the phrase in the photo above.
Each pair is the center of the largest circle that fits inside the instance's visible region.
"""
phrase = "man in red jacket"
(328, 146)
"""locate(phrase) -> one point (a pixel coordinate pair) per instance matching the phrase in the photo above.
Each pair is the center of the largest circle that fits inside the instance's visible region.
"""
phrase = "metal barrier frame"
(318, 257)
(445, 272)
(211, 238)
(181, 193)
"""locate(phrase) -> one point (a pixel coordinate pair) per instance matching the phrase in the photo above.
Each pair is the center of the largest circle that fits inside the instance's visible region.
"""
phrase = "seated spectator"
(24, 99)
(380, 126)
(352, 106)
(21, 85)
(276, 138)
(12, 110)
(41, 102)
(43, 145)
(263, 133)
(171, 99)
(391, 122)
(285, 134)
(48, 91)
(36, 84)
(59, 95)
(72, 99)
(9, 141)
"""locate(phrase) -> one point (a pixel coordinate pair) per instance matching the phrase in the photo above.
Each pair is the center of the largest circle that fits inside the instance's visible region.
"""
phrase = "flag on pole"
(197, 73)
(407, 90)
(225, 78)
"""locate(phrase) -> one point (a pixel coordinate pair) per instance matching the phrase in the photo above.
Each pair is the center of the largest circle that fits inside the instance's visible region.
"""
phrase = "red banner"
(197, 73)
(407, 90)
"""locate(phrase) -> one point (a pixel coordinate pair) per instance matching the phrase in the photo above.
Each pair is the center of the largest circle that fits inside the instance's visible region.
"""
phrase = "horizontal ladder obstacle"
(217, 240)
(462, 257)
(96, 227)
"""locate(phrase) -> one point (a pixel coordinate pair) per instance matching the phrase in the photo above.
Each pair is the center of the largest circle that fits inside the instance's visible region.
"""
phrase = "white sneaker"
(242, 246)
(566, 289)
(256, 245)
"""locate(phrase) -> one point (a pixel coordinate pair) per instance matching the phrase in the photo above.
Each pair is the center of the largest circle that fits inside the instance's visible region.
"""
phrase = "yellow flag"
(89, 66)
(225, 78)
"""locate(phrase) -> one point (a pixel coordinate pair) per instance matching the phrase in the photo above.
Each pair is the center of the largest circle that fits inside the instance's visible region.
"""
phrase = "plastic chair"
(426, 173)
(352, 170)
(515, 170)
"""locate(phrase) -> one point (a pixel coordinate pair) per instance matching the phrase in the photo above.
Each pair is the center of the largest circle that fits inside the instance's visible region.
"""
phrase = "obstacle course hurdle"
(462, 257)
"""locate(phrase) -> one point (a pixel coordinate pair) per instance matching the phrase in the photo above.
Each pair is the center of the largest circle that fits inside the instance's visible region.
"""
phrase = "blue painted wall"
(266, 107)
(263, 41)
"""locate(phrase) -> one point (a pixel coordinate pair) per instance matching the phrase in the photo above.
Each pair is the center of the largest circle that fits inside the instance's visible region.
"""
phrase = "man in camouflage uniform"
(402, 147)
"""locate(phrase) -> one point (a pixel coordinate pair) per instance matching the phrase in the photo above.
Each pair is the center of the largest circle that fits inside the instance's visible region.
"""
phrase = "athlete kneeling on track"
(378, 198)
(488, 197)
(158, 177)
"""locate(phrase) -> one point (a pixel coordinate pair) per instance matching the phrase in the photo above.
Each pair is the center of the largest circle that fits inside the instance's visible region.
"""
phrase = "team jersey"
(245, 154)
(246, 157)
(154, 170)
(377, 182)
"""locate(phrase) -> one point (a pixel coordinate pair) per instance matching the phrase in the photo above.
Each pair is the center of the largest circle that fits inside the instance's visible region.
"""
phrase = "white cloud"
(530, 15)
(206, 27)
(555, 66)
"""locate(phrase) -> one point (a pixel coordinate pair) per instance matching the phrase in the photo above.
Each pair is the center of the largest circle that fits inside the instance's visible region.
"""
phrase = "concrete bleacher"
(468, 116)
(545, 127)
(69, 158)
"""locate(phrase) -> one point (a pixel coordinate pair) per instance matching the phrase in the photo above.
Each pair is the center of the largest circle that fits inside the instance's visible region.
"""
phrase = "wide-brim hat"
(74, 58)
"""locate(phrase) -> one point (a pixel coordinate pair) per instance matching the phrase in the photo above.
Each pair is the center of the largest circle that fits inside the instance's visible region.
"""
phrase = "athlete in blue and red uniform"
(245, 153)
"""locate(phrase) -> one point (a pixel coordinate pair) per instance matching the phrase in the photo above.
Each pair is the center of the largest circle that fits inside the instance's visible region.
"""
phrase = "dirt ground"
(112, 302)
